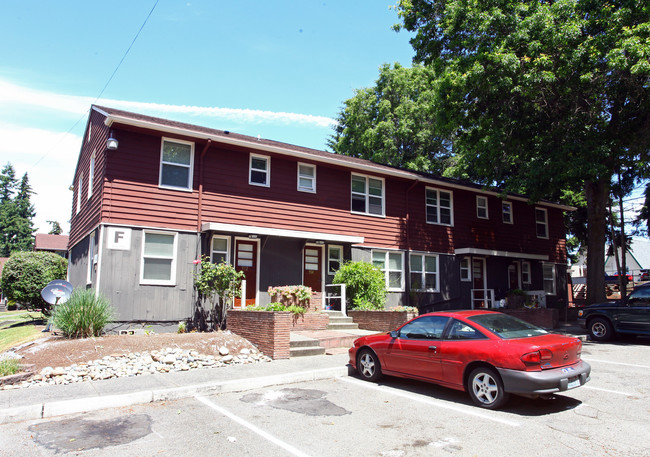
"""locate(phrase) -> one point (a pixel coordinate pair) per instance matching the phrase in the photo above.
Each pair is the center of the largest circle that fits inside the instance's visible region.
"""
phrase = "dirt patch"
(56, 351)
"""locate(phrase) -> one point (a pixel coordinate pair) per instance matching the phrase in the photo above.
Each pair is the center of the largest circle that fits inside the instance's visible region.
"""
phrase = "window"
(525, 272)
(549, 278)
(81, 186)
(392, 265)
(176, 164)
(424, 272)
(482, 207)
(424, 328)
(367, 195)
(506, 211)
(461, 331)
(220, 249)
(306, 177)
(91, 258)
(465, 270)
(158, 258)
(91, 175)
(334, 259)
(541, 223)
(439, 207)
(260, 171)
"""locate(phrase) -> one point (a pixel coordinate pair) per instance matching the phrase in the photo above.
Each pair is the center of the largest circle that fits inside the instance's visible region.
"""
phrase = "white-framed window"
(549, 278)
(424, 272)
(176, 164)
(541, 223)
(506, 212)
(306, 177)
(465, 269)
(91, 258)
(334, 259)
(91, 175)
(81, 186)
(259, 170)
(367, 195)
(391, 263)
(525, 273)
(158, 258)
(220, 249)
(481, 207)
(439, 207)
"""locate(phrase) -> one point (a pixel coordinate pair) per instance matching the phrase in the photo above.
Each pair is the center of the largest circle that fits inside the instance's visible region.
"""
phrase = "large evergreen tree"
(16, 213)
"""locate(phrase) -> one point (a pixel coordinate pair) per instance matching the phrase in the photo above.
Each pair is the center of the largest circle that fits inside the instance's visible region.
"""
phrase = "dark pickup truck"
(617, 317)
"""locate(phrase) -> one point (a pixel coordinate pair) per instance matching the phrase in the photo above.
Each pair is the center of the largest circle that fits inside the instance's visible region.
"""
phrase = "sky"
(279, 69)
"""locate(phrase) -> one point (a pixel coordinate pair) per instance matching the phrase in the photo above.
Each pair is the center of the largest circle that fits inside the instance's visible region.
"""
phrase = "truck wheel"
(600, 329)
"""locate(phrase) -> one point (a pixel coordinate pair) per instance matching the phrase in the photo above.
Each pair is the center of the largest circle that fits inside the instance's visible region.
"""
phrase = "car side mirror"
(394, 334)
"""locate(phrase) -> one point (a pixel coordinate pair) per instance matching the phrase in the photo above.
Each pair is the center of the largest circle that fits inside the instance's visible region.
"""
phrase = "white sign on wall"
(119, 238)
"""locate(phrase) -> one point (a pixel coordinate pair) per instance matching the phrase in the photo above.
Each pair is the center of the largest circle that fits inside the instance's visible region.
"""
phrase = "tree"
(365, 284)
(25, 274)
(218, 284)
(392, 123)
(56, 228)
(16, 213)
(541, 97)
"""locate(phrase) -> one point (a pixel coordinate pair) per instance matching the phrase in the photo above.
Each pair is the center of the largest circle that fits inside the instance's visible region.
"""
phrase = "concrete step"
(342, 326)
(306, 351)
(339, 341)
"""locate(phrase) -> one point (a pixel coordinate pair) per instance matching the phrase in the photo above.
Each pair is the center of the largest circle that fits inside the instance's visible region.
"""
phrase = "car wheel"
(368, 365)
(600, 329)
(486, 389)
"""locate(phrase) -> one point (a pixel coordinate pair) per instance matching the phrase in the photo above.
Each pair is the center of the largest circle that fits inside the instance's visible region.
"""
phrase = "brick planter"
(542, 317)
(268, 330)
(380, 321)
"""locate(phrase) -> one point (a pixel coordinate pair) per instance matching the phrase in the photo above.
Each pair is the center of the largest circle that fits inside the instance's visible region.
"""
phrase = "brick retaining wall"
(380, 321)
(542, 317)
(268, 330)
(310, 321)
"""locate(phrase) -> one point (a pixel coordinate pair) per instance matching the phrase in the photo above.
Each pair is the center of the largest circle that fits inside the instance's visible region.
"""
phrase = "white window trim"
(91, 258)
(423, 272)
(387, 270)
(512, 218)
(367, 195)
(525, 271)
(79, 191)
(451, 206)
(545, 222)
(159, 282)
(468, 278)
(190, 178)
(212, 251)
(480, 206)
(313, 178)
(267, 171)
(91, 175)
(552, 265)
(340, 259)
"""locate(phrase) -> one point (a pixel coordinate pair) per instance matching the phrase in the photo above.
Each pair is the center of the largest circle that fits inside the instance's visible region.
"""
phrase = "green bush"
(83, 315)
(280, 307)
(26, 273)
(9, 367)
(364, 284)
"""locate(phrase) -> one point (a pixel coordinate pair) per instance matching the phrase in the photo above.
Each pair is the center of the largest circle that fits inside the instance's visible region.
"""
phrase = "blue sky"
(280, 69)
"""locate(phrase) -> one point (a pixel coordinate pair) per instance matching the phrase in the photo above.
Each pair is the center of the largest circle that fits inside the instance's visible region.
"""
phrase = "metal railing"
(331, 296)
(482, 298)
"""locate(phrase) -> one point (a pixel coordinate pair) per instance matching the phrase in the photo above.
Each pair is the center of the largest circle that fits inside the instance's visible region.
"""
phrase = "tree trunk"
(597, 194)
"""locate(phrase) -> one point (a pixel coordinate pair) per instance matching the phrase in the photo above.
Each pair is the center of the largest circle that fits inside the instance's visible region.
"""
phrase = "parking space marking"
(437, 403)
(267, 436)
(616, 363)
(609, 391)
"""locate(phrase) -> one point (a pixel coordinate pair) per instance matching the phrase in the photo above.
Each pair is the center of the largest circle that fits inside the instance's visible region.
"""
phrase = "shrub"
(9, 367)
(26, 273)
(84, 314)
(218, 284)
(364, 284)
(296, 310)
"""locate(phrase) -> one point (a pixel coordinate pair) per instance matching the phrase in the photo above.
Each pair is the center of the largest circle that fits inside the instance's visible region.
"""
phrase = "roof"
(115, 116)
(47, 242)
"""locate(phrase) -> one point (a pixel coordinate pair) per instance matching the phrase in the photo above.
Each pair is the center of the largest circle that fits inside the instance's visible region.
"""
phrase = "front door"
(246, 261)
(480, 297)
(513, 277)
(312, 268)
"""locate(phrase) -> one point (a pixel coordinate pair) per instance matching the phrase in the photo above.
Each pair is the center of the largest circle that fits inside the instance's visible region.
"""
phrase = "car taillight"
(537, 357)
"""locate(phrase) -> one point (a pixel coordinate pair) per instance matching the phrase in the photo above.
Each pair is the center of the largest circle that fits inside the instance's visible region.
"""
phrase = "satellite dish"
(56, 292)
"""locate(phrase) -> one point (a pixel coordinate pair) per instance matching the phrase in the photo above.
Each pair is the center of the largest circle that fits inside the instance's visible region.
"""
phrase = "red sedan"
(488, 354)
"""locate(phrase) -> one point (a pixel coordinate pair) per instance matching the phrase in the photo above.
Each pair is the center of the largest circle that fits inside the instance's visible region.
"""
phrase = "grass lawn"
(17, 327)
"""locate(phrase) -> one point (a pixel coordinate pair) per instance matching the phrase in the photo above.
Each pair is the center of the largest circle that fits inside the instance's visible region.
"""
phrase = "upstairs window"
(541, 223)
(506, 212)
(306, 177)
(482, 207)
(91, 175)
(439, 207)
(424, 272)
(367, 195)
(176, 164)
(81, 186)
(259, 171)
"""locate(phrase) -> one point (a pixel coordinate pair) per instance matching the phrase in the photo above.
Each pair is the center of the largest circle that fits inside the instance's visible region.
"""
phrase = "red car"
(488, 354)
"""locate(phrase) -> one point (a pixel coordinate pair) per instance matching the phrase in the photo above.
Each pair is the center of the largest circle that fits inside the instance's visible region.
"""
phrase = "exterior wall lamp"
(112, 143)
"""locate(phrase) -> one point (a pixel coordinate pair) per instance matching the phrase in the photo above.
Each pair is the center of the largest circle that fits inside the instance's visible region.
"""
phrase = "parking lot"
(345, 416)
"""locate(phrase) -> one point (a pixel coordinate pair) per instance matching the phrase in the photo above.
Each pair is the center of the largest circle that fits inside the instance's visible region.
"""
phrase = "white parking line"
(609, 391)
(617, 363)
(437, 403)
(287, 447)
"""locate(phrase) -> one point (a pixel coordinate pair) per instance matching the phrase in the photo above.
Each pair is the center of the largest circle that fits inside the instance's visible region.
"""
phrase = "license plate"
(573, 384)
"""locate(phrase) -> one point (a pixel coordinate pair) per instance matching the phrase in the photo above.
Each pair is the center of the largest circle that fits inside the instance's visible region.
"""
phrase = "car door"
(414, 351)
(462, 344)
(635, 316)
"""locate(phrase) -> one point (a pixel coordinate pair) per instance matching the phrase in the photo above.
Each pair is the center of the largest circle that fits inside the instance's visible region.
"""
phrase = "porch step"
(306, 351)
(300, 346)
(340, 322)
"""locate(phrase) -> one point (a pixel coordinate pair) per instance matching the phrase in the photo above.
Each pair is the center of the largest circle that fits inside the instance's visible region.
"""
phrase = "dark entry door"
(312, 268)
(246, 261)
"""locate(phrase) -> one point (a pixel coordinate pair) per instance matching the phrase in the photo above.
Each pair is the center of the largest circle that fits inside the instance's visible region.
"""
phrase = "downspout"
(408, 237)
(200, 211)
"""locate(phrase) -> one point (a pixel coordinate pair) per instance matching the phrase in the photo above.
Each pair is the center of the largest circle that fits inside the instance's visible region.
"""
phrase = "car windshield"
(507, 327)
